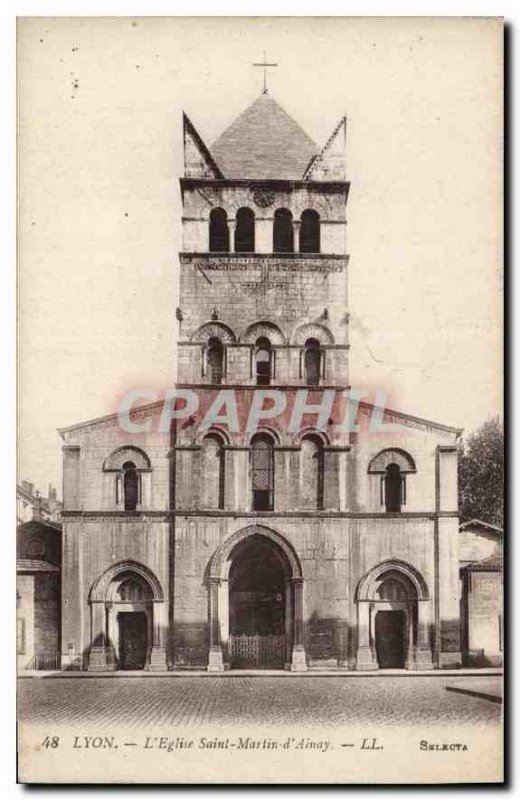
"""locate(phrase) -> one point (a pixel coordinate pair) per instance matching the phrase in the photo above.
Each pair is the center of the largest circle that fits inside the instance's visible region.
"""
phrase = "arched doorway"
(393, 619)
(257, 584)
(256, 603)
(128, 618)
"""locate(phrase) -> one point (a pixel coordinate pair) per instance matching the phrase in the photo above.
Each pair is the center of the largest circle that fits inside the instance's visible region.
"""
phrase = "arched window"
(312, 362)
(262, 472)
(212, 473)
(283, 236)
(310, 232)
(312, 472)
(218, 231)
(245, 231)
(392, 465)
(394, 488)
(131, 487)
(263, 361)
(215, 359)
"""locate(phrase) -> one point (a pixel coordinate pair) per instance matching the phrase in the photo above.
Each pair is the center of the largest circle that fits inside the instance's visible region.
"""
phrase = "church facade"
(300, 542)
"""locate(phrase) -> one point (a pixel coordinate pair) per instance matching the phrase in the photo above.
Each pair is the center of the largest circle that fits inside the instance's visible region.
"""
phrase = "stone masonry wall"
(334, 553)
(246, 289)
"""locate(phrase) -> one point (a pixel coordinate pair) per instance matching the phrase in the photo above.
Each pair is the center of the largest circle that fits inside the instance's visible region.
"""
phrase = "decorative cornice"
(253, 386)
(133, 516)
(186, 343)
(321, 187)
(120, 516)
(189, 255)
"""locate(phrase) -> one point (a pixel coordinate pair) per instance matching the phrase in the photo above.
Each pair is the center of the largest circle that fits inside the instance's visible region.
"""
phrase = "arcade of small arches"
(392, 465)
(256, 618)
(227, 235)
(263, 339)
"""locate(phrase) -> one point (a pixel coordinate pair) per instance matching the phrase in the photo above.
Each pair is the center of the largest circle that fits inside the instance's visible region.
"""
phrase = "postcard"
(260, 488)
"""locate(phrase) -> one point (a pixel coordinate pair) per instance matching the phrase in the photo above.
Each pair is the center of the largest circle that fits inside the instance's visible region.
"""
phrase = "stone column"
(296, 234)
(159, 625)
(366, 656)
(423, 652)
(223, 616)
(410, 651)
(97, 659)
(232, 224)
(71, 485)
(342, 627)
(298, 659)
(215, 659)
(288, 625)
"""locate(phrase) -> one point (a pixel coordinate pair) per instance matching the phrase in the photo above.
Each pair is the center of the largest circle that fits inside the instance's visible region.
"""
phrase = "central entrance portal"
(390, 639)
(133, 642)
(257, 587)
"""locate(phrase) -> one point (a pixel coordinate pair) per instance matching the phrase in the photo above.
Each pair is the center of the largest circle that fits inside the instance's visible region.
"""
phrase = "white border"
(8, 13)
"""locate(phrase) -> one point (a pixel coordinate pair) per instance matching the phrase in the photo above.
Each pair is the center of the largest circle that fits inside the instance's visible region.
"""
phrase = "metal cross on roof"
(264, 64)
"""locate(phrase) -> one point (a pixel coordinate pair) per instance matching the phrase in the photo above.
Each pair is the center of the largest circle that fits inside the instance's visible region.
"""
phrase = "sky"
(100, 104)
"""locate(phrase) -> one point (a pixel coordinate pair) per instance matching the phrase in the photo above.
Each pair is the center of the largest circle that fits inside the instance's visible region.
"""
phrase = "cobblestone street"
(306, 701)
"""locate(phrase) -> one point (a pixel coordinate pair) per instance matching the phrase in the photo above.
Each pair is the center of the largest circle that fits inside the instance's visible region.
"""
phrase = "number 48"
(51, 741)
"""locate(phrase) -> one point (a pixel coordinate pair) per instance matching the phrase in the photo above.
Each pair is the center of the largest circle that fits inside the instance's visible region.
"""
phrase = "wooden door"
(132, 639)
(390, 639)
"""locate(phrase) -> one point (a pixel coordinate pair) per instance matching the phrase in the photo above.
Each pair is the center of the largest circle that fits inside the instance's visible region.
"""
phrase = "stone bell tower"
(264, 250)
(263, 305)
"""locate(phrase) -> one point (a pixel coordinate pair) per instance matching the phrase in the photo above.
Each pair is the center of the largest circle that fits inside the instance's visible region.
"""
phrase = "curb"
(493, 698)
(243, 673)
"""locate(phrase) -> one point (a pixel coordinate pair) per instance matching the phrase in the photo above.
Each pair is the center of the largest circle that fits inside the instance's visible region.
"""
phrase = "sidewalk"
(271, 673)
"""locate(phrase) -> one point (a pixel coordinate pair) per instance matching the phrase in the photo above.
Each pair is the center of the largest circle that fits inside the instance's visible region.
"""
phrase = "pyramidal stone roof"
(264, 142)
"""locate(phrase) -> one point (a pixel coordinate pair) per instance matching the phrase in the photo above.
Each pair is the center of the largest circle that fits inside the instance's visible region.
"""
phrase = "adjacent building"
(30, 503)
(482, 579)
(38, 581)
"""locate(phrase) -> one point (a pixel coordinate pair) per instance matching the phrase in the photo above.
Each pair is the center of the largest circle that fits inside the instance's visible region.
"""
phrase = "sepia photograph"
(260, 436)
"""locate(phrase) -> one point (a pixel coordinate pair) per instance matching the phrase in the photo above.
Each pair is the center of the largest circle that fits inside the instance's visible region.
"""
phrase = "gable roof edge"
(492, 528)
(318, 156)
(107, 417)
(418, 420)
(190, 127)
